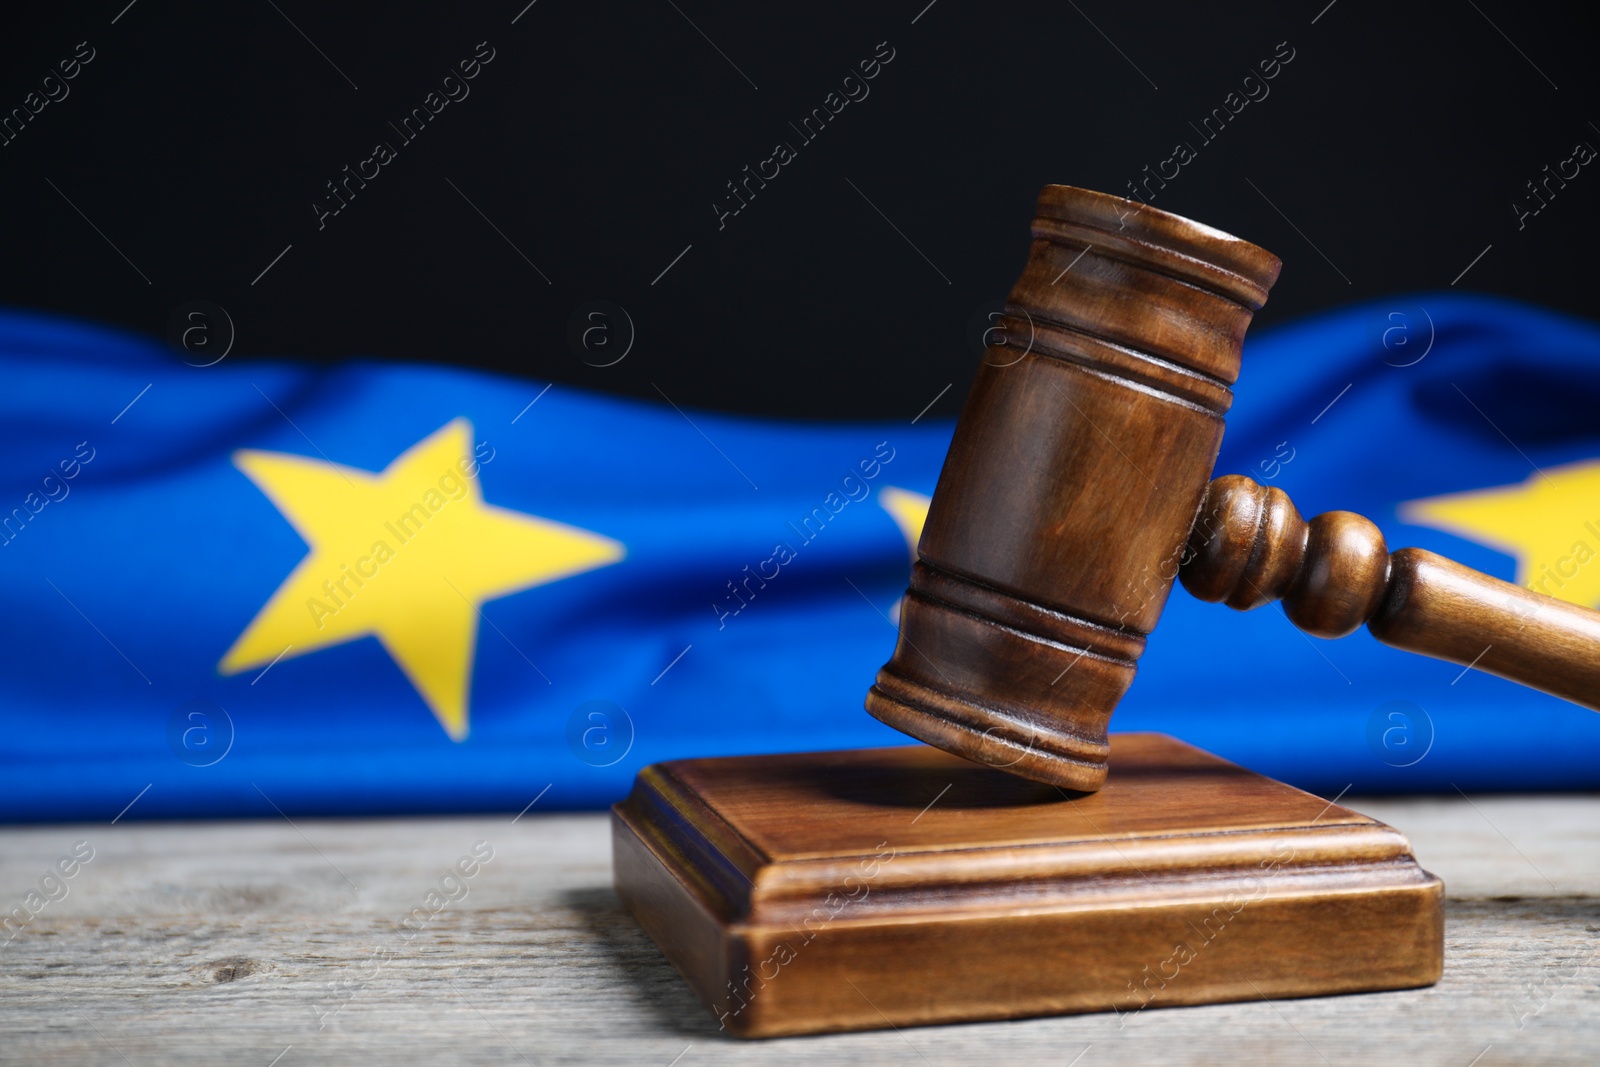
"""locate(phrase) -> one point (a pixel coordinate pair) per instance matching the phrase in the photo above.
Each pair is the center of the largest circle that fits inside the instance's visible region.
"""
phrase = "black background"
(599, 137)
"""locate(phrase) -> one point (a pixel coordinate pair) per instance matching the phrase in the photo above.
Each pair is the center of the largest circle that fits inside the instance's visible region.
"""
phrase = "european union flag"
(379, 588)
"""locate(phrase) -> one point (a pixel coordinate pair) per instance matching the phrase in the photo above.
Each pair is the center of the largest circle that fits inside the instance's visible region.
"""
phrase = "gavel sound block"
(850, 890)
(906, 886)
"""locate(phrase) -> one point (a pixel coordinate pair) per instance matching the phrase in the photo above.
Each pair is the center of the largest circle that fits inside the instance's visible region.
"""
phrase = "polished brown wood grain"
(905, 886)
(1334, 573)
(1076, 476)
(1076, 470)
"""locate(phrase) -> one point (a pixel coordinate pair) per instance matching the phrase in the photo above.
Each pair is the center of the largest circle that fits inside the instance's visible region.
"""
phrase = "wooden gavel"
(1075, 491)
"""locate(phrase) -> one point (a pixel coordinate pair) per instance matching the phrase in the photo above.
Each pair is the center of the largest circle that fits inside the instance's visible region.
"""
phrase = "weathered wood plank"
(205, 942)
(1496, 846)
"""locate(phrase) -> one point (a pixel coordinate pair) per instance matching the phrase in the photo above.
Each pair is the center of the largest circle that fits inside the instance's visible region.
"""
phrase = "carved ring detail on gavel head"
(1075, 492)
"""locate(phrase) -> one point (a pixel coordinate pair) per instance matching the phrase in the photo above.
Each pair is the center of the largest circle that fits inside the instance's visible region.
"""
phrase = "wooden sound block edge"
(772, 950)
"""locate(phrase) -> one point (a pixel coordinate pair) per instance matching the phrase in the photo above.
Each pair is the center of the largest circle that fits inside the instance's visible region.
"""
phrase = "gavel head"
(1077, 469)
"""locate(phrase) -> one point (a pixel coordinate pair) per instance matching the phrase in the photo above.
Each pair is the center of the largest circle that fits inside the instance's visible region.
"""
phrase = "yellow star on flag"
(406, 555)
(909, 511)
(1549, 523)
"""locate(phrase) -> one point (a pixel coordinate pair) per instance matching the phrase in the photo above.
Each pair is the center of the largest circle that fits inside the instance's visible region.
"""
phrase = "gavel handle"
(1249, 546)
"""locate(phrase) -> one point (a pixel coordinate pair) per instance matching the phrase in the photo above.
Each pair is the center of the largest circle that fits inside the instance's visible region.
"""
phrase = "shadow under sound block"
(855, 890)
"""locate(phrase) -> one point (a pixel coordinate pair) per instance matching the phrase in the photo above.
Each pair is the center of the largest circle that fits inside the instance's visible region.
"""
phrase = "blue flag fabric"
(252, 589)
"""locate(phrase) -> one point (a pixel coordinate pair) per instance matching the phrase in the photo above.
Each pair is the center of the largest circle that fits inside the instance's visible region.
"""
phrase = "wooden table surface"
(271, 942)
